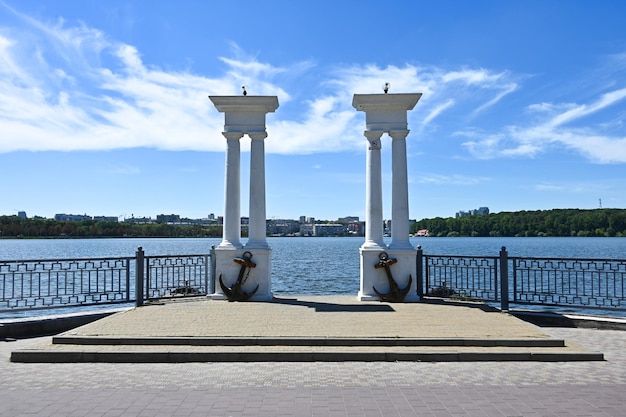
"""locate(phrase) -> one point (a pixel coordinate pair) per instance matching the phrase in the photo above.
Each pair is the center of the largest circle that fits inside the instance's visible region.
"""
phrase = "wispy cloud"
(451, 179)
(592, 128)
(70, 87)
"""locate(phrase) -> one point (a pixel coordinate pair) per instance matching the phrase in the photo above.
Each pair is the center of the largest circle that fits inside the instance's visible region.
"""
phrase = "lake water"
(312, 265)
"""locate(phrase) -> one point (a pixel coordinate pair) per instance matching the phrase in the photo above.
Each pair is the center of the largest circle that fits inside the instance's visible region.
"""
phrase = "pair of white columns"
(387, 113)
(399, 192)
(244, 115)
(232, 207)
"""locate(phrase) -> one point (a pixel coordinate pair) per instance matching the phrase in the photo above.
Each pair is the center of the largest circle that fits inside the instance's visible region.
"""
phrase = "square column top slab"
(385, 112)
(256, 104)
(245, 114)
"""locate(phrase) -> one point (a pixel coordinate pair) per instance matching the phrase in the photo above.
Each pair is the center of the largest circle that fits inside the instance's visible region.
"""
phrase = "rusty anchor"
(236, 292)
(395, 295)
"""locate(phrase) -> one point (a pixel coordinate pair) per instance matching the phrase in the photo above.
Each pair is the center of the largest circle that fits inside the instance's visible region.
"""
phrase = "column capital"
(257, 135)
(398, 134)
(232, 135)
(373, 137)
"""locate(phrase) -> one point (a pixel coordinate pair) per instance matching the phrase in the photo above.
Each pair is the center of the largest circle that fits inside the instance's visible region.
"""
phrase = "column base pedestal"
(404, 267)
(229, 270)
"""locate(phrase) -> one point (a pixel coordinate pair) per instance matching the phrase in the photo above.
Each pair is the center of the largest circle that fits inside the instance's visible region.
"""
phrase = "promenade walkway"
(347, 388)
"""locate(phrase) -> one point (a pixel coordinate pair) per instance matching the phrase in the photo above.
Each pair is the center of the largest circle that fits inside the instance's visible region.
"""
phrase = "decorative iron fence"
(48, 283)
(579, 283)
(593, 283)
(64, 282)
(474, 277)
(174, 276)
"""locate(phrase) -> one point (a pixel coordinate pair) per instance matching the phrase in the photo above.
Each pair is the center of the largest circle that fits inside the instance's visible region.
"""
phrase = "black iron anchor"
(395, 295)
(236, 292)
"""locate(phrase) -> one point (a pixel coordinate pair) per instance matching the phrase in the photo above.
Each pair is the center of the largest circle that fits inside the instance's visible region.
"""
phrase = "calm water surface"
(313, 265)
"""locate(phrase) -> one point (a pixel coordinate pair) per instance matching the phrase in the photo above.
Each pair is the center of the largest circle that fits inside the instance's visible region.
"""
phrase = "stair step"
(306, 341)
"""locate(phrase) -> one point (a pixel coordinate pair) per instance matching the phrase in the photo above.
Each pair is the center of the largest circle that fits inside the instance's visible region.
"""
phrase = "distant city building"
(283, 227)
(62, 217)
(481, 211)
(139, 220)
(22, 215)
(168, 218)
(307, 220)
(348, 219)
(331, 229)
(106, 218)
(307, 229)
(356, 228)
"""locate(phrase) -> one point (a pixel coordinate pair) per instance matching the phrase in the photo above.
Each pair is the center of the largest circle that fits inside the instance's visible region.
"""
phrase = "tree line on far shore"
(37, 227)
(556, 222)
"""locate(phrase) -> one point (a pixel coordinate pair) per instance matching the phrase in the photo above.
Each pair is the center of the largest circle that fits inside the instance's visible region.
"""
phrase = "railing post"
(504, 279)
(420, 272)
(128, 280)
(212, 278)
(139, 269)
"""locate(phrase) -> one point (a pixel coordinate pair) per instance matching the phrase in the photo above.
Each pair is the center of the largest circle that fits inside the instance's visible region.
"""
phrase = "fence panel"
(34, 284)
(583, 283)
(177, 275)
(473, 277)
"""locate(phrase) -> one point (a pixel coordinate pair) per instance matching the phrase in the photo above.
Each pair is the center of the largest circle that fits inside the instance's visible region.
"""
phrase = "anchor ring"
(383, 256)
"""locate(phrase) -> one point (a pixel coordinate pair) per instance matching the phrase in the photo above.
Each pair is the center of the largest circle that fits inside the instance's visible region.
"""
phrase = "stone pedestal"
(229, 270)
(387, 113)
(371, 277)
(244, 115)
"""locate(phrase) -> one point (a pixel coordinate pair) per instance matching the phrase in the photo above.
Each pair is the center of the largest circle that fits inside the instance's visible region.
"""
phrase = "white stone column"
(399, 192)
(257, 229)
(373, 193)
(231, 237)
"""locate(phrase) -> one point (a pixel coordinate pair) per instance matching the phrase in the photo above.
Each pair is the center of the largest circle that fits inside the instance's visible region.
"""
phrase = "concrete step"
(63, 349)
(306, 341)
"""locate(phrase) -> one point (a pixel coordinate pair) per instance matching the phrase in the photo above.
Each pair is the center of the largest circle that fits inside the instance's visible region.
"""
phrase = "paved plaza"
(587, 388)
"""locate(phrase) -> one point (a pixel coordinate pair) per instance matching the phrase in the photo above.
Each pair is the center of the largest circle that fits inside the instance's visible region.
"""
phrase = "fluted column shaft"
(257, 227)
(373, 193)
(399, 191)
(231, 236)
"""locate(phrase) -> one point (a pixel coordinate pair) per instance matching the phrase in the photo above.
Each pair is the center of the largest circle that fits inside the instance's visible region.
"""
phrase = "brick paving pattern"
(323, 389)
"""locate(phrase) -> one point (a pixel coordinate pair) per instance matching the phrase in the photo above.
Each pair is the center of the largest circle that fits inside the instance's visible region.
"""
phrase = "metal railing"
(592, 283)
(578, 283)
(173, 276)
(573, 282)
(49, 283)
(474, 277)
(61, 282)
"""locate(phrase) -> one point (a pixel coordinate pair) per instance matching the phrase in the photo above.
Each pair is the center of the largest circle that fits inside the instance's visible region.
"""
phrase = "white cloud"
(451, 179)
(554, 129)
(438, 110)
(70, 88)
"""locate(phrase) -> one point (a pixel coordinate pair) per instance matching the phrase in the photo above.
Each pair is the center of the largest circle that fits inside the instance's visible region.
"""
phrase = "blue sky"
(104, 108)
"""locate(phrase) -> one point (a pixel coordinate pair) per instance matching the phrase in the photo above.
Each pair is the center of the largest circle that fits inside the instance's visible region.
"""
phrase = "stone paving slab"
(312, 316)
(307, 328)
(448, 389)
